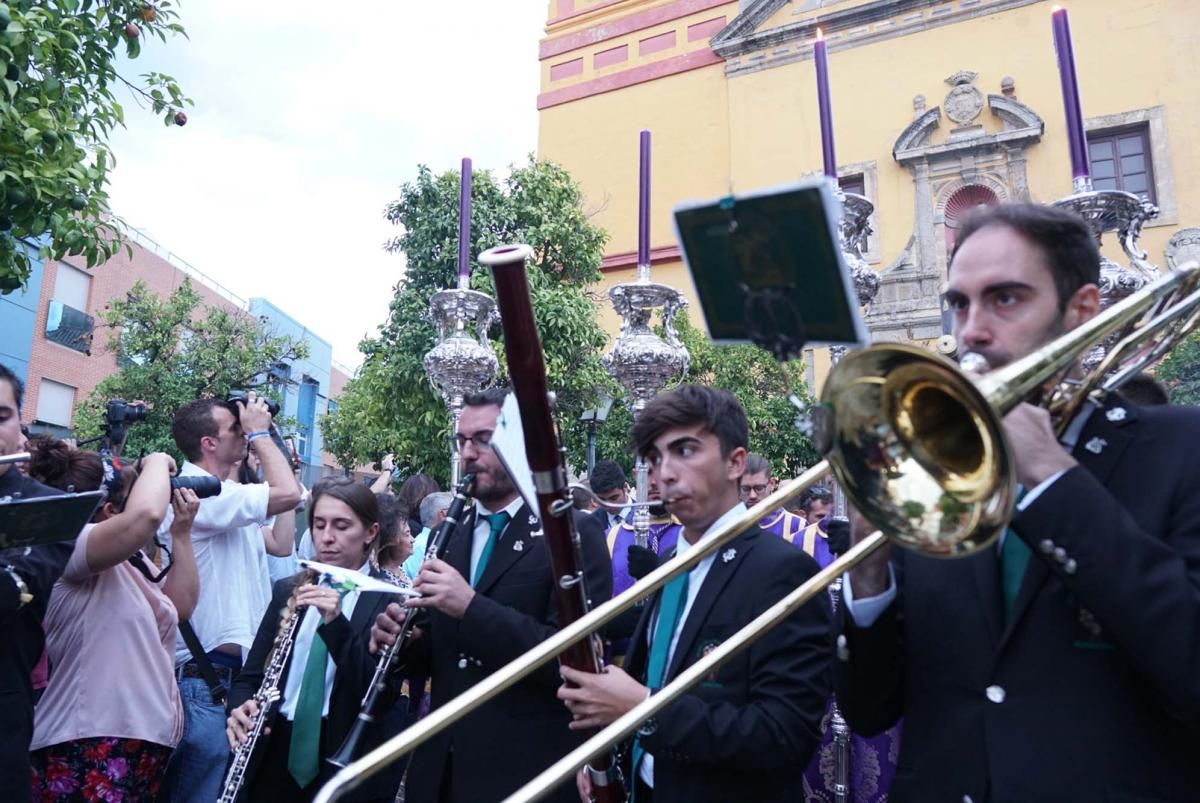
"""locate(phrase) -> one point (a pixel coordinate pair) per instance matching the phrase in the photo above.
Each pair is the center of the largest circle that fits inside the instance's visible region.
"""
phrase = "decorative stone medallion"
(964, 102)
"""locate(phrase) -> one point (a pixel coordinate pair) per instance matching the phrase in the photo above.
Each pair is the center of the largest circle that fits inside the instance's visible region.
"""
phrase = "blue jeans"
(197, 767)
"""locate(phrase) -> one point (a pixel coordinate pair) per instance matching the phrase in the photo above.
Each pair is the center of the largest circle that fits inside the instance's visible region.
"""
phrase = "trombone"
(919, 447)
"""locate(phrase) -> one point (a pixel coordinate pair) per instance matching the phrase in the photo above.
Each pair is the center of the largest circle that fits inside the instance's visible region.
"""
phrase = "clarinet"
(368, 709)
(267, 695)
(527, 369)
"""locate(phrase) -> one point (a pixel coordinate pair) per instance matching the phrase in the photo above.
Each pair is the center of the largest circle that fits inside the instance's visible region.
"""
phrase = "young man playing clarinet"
(746, 732)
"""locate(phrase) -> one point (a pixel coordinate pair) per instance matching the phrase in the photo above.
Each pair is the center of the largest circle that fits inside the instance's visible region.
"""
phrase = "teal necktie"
(1014, 558)
(304, 752)
(497, 521)
(670, 609)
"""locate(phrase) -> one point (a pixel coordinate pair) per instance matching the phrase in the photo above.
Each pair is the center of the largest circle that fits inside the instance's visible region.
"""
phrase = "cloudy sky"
(308, 117)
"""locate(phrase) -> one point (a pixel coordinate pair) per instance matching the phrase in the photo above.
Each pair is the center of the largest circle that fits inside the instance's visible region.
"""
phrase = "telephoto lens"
(203, 487)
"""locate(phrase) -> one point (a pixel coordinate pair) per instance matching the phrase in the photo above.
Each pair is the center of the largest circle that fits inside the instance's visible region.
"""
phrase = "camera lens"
(203, 487)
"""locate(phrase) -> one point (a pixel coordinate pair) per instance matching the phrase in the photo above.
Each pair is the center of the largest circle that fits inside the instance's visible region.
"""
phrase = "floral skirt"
(104, 769)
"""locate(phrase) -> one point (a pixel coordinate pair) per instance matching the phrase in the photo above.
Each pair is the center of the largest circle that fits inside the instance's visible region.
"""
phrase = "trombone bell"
(919, 449)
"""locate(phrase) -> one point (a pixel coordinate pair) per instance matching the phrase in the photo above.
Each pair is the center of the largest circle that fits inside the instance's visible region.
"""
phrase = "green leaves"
(170, 351)
(390, 406)
(57, 109)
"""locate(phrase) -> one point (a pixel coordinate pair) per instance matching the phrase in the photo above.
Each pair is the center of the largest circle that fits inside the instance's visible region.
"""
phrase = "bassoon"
(527, 371)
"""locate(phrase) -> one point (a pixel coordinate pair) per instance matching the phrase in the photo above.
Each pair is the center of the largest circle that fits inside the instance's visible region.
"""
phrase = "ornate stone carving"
(964, 102)
(1183, 247)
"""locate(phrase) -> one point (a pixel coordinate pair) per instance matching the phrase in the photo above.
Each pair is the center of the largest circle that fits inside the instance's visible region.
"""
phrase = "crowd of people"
(1055, 666)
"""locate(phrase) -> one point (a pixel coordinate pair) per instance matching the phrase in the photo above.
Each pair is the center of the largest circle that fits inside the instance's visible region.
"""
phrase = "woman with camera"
(111, 713)
(328, 670)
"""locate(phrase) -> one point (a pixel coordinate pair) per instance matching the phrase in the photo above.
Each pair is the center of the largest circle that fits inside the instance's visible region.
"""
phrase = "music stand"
(768, 269)
(45, 519)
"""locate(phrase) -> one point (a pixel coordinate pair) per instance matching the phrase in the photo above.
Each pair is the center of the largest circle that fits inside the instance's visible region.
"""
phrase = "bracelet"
(23, 595)
(260, 433)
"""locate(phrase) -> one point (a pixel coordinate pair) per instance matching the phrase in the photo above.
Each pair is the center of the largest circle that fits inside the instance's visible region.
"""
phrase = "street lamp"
(593, 418)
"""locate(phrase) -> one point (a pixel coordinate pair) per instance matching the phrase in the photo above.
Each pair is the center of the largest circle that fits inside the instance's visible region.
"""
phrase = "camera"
(118, 412)
(236, 396)
(203, 487)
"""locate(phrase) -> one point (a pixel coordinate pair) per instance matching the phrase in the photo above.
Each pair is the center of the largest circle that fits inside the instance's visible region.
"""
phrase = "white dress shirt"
(479, 537)
(304, 639)
(696, 579)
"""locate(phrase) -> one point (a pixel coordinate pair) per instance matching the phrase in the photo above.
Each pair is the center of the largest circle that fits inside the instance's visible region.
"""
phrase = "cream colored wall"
(712, 134)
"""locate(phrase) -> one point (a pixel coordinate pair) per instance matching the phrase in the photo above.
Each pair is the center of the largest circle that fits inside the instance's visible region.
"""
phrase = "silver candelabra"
(1125, 214)
(643, 363)
(462, 362)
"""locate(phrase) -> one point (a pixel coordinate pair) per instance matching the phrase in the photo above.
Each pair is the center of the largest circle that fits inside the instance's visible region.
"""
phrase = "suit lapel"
(1102, 441)
(514, 544)
(724, 566)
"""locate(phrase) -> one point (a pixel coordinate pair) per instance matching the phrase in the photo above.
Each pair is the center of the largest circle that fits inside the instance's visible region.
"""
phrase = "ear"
(107, 511)
(1082, 306)
(372, 532)
(736, 462)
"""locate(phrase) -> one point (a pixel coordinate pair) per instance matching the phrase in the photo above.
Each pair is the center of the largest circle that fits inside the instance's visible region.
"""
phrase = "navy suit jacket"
(1090, 688)
(748, 731)
(517, 734)
(23, 639)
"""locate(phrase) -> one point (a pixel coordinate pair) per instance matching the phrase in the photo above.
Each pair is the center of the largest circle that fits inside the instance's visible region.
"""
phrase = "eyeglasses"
(758, 490)
(482, 440)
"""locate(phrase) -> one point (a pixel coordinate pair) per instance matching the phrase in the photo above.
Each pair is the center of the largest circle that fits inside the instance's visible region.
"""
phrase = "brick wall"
(113, 279)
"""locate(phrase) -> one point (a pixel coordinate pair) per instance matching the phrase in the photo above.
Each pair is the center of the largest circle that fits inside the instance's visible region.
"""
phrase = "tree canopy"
(171, 351)
(390, 405)
(58, 107)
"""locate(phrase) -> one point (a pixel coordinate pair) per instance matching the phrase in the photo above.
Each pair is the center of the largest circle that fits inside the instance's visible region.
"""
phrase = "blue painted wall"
(18, 312)
(307, 396)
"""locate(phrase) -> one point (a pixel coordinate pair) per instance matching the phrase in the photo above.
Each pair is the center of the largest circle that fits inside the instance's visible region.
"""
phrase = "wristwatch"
(23, 595)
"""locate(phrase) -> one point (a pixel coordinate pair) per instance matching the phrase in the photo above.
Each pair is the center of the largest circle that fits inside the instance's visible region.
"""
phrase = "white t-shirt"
(235, 585)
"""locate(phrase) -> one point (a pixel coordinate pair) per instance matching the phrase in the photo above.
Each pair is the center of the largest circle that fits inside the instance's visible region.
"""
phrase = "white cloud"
(308, 117)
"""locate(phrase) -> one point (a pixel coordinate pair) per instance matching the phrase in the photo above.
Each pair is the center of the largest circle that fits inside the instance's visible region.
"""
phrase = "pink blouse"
(111, 641)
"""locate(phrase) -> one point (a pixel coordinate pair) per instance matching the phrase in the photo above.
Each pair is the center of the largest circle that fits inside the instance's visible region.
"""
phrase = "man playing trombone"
(747, 732)
(1061, 664)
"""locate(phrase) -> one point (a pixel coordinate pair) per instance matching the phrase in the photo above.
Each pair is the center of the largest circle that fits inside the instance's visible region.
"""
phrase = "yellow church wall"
(713, 133)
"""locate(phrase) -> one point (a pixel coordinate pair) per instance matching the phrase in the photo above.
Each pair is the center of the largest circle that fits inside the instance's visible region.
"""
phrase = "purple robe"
(663, 535)
(782, 523)
(813, 540)
(872, 760)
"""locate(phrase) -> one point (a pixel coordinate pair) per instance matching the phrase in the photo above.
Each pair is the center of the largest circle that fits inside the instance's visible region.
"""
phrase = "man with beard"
(1062, 663)
(489, 601)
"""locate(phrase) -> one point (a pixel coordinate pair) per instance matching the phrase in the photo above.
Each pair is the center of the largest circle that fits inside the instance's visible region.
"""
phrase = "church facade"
(938, 106)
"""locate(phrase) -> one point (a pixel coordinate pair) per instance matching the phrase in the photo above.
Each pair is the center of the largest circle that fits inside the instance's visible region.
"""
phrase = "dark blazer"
(747, 732)
(511, 738)
(600, 516)
(347, 641)
(23, 639)
(1091, 688)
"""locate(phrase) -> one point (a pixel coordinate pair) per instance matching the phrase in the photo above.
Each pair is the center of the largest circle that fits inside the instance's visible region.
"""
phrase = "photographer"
(110, 632)
(26, 578)
(234, 586)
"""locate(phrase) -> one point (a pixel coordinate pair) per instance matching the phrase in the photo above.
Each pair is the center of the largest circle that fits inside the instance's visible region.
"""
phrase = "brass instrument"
(919, 447)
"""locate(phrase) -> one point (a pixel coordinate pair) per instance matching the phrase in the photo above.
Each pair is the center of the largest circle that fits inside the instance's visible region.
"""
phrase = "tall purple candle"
(464, 224)
(644, 200)
(828, 155)
(1076, 138)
